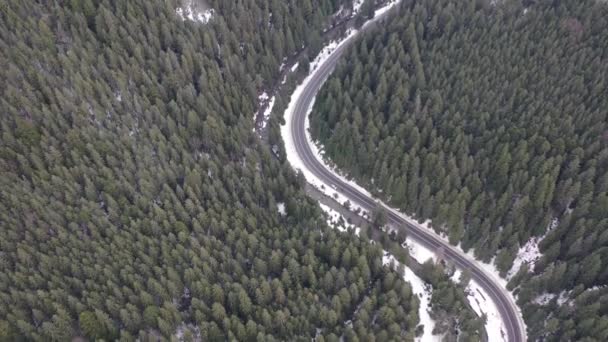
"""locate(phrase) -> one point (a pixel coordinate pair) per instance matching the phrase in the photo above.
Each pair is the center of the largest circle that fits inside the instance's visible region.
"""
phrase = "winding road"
(510, 315)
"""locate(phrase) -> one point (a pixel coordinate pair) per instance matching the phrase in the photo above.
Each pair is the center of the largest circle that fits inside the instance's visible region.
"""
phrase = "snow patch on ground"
(181, 330)
(596, 287)
(281, 209)
(544, 298)
(420, 289)
(295, 67)
(419, 252)
(357, 6)
(456, 276)
(263, 97)
(530, 252)
(481, 304)
(268, 111)
(527, 254)
(267, 103)
(381, 11)
(189, 11)
(564, 297)
(337, 221)
(339, 11)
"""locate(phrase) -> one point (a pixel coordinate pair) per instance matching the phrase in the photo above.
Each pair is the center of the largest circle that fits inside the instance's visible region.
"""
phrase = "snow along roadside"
(482, 305)
(263, 100)
(290, 150)
(327, 189)
(419, 288)
(423, 291)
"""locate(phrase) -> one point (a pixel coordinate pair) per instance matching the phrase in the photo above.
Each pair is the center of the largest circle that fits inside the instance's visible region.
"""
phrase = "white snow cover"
(263, 97)
(527, 254)
(382, 10)
(489, 269)
(564, 297)
(190, 12)
(281, 208)
(357, 6)
(456, 276)
(481, 304)
(268, 111)
(544, 298)
(337, 221)
(476, 294)
(419, 252)
(530, 253)
(295, 67)
(264, 100)
(423, 291)
(181, 329)
(419, 287)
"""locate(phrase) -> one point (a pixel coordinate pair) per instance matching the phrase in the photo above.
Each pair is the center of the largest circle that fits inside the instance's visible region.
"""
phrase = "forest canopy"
(491, 119)
(136, 203)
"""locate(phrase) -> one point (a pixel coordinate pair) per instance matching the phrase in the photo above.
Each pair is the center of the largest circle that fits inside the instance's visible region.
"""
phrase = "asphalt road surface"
(499, 295)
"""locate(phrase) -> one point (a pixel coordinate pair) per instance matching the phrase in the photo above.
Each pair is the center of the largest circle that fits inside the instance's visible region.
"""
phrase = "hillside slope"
(490, 120)
(136, 203)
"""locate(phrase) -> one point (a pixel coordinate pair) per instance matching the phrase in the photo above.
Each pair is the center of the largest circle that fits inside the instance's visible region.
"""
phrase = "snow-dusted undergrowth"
(281, 209)
(419, 252)
(337, 221)
(357, 6)
(191, 11)
(423, 291)
(530, 252)
(267, 103)
(482, 305)
(419, 287)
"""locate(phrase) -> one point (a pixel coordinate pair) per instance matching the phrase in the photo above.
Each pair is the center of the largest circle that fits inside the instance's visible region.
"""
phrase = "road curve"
(508, 310)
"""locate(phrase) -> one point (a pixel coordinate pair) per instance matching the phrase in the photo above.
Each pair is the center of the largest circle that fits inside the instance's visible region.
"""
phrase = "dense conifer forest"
(491, 119)
(136, 203)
